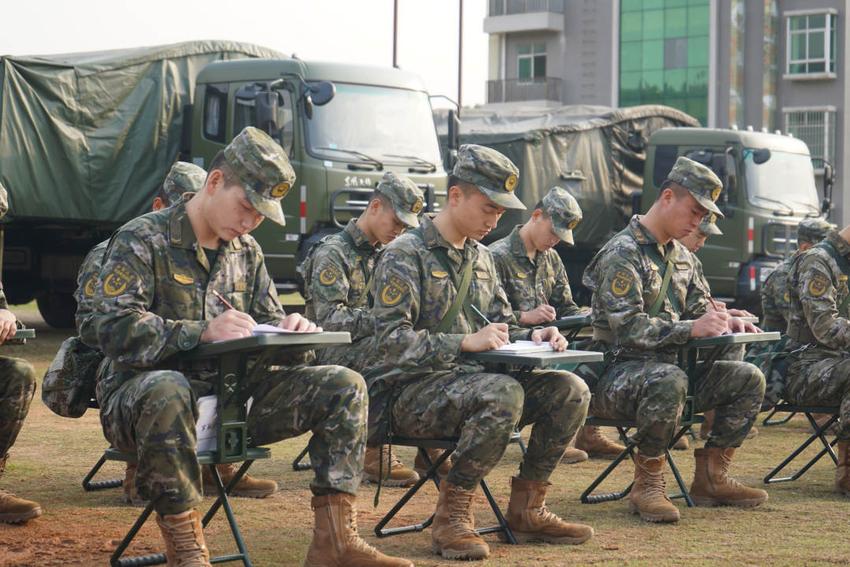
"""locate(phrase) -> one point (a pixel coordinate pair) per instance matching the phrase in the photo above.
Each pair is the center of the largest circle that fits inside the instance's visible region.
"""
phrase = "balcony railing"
(509, 7)
(514, 90)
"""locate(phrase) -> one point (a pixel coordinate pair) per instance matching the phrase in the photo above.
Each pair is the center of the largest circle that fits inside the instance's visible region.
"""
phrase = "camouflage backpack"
(69, 384)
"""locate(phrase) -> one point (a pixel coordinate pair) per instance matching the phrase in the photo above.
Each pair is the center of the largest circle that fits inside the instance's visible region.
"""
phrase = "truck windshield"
(387, 124)
(785, 177)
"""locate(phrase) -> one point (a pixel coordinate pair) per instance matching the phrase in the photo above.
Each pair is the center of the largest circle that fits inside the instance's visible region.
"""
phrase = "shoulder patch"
(521, 275)
(118, 280)
(818, 285)
(439, 274)
(622, 283)
(394, 291)
(88, 289)
(328, 276)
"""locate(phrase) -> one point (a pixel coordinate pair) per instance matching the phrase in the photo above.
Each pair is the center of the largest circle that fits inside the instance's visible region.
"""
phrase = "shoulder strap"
(843, 265)
(462, 291)
(656, 259)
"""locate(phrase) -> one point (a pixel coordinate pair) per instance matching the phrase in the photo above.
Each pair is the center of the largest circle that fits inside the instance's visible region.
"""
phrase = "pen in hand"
(480, 314)
(222, 299)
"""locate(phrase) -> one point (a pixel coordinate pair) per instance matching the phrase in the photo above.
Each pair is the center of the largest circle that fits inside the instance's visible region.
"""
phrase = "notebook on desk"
(266, 329)
(524, 347)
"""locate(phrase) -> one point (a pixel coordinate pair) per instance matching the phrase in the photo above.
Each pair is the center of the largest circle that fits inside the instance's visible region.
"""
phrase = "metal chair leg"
(90, 485)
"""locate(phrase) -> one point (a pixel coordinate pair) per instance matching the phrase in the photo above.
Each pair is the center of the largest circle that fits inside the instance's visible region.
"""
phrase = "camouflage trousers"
(653, 394)
(357, 356)
(17, 388)
(153, 415)
(814, 379)
(772, 359)
(483, 409)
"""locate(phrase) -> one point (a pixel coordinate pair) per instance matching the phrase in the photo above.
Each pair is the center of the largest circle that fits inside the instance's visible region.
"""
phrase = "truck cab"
(768, 188)
(343, 126)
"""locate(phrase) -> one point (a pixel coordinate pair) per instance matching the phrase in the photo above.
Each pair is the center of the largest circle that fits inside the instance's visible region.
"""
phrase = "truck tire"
(57, 309)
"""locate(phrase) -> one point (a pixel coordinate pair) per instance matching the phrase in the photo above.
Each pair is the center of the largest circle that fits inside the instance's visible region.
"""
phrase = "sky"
(347, 31)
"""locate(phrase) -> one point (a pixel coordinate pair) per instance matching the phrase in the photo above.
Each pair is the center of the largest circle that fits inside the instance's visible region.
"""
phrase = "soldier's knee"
(341, 378)
(505, 395)
(755, 377)
(167, 387)
(669, 378)
(18, 372)
(571, 388)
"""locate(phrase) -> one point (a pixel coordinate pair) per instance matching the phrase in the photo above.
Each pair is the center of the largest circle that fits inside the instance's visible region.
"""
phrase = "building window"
(664, 46)
(811, 44)
(531, 62)
(816, 127)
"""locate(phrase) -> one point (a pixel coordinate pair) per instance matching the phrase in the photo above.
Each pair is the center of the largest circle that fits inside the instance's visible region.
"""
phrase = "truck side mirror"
(454, 130)
(828, 181)
(321, 93)
(267, 104)
(761, 155)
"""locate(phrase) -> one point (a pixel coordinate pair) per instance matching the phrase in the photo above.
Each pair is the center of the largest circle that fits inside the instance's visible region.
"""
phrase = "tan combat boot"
(422, 469)
(648, 496)
(573, 456)
(394, 471)
(14, 510)
(336, 542)
(453, 531)
(842, 471)
(712, 484)
(682, 443)
(184, 539)
(597, 446)
(530, 520)
(247, 487)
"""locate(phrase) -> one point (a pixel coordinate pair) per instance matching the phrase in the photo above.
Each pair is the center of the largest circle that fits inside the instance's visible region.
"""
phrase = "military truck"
(86, 140)
(769, 187)
(614, 160)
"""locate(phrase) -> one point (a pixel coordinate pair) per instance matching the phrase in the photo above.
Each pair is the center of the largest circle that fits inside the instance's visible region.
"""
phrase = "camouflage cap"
(564, 211)
(263, 169)
(4, 201)
(708, 225)
(406, 197)
(700, 182)
(494, 174)
(813, 230)
(183, 178)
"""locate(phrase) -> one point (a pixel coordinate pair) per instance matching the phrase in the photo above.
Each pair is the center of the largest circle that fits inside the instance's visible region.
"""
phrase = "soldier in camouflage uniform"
(819, 337)
(775, 303)
(17, 387)
(424, 387)
(154, 300)
(694, 242)
(182, 182)
(538, 288)
(641, 328)
(337, 275)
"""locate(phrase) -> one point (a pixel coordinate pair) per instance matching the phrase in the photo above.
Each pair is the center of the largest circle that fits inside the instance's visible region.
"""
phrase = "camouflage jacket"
(414, 290)
(700, 280)
(625, 282)
(530, 283)
(817, 287)
(335, 277)
(84, 294)
(775, 298)
(154, 295)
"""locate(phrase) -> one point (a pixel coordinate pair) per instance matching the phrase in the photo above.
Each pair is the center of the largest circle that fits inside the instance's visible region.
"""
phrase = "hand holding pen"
(231, 324)
(487, 338)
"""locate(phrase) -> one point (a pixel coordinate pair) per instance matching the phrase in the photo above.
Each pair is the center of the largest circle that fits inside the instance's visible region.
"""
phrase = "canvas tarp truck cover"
(606, 146)
(90, 136)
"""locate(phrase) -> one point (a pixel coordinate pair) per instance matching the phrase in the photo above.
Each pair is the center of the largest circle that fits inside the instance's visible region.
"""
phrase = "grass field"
(804, 523)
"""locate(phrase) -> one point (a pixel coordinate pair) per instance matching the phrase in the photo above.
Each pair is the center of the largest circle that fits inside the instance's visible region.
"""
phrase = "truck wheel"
(57, 309)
